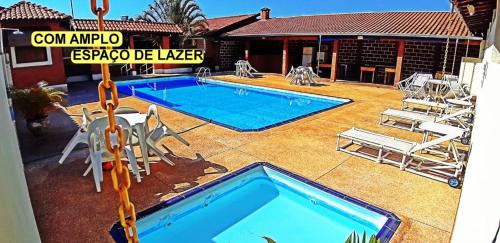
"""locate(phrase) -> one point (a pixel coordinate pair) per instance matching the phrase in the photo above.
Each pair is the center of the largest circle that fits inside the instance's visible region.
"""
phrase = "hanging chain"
(120, 174)
(454, 57)
(448, 30)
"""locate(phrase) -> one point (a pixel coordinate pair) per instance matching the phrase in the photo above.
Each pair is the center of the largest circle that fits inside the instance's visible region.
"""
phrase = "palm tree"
(185, 13)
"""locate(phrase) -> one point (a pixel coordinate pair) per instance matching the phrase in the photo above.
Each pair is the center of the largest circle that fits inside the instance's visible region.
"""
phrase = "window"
(29, 56)
(24, 54)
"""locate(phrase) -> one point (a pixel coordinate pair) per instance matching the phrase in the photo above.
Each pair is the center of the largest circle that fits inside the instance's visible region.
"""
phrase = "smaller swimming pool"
(257, 202)
(235, 106)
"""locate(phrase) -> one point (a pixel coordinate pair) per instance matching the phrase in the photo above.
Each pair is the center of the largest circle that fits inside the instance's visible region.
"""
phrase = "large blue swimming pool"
(257, 202)
(239, 107)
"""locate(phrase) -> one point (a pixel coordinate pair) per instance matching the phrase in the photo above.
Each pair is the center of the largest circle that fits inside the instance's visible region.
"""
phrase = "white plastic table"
(138, 122)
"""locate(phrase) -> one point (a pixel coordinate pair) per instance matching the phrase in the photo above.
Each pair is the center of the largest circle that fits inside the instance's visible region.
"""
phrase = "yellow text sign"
(76, 38)
(170, 56)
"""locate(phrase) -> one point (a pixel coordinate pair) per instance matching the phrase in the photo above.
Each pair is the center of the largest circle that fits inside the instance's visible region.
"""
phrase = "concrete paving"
(67, 207)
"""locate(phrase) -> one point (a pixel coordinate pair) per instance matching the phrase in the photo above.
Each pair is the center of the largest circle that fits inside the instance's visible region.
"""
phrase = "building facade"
(30, 65)
(387, 46)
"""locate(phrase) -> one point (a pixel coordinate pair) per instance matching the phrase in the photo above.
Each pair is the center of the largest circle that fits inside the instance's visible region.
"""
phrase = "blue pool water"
(240, 107)
(261, 201)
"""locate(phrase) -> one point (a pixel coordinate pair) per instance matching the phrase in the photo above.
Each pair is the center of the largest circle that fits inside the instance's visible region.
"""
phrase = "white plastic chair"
(417, 88)
(159, 131)
(404, 85)
(81, 135)
(455, 89)
(99, 152)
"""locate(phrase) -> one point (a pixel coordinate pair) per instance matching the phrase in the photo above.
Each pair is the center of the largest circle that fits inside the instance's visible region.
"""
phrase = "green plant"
(185, 13)
(36, 102)
(354, 238)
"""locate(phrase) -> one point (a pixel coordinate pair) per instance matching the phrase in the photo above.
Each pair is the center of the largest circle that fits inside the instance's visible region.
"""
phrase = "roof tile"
(222, 22)
(26, 11)
(126, 26)
(415, 24)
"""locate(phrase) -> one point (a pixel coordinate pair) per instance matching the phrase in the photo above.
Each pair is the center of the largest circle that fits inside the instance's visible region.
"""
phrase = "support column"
(399, 62)
(165, 44)
(247, 49)
(131, 46)
(335, 50)
(284, 66)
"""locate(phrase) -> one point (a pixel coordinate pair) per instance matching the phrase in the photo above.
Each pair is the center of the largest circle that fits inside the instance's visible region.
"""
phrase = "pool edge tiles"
(150, 99)
(386, 232)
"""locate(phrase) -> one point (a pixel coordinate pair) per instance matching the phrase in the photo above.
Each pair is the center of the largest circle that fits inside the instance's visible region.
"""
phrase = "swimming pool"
(236, 106)
(260, 200)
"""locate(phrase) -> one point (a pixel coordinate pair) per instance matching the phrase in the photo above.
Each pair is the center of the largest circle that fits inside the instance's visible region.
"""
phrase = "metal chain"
(448, 31)
(119, 174)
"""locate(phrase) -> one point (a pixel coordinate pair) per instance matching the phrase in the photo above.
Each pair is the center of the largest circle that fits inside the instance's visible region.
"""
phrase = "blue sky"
(279, 8)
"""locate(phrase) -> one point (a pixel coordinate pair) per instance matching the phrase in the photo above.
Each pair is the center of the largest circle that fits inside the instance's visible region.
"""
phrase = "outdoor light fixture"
(360, 37)
(15, 32)
(471, 9)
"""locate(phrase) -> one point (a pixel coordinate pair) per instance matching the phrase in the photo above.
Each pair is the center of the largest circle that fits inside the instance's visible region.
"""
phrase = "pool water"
(257, 202)
(239, 107)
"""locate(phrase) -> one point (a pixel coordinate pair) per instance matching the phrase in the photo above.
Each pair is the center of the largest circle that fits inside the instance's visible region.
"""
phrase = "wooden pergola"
(477, 14)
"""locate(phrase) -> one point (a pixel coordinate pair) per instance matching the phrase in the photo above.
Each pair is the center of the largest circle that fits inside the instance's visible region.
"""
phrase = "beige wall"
(17, 222)
(478, 216)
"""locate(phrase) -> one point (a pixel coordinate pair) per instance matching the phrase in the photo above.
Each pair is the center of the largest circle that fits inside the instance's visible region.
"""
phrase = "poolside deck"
(67, 207)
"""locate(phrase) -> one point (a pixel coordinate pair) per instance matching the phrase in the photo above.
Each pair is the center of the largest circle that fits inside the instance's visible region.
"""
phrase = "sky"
(279, 8)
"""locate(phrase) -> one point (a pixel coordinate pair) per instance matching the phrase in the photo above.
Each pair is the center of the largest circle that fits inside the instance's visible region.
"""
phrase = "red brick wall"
(28, 76)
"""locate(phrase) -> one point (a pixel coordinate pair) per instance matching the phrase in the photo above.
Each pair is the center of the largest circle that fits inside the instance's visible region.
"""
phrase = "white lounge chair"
(409, 156)
(409, 120)
(464, 102)
(99, 153)
(428, 106)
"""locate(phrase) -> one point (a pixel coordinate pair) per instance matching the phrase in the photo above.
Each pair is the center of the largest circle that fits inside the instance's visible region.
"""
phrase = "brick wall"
(419, 57)
(376, 52)
(428, 57)
(356, 53)
(229, 53)
(379, 53)
(461, 50)
(348, 52)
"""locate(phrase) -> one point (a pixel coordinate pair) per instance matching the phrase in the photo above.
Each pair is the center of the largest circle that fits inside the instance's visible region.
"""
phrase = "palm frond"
(185, 13)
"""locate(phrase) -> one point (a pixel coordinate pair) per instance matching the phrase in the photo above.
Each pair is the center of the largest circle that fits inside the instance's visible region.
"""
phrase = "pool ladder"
(202, 75)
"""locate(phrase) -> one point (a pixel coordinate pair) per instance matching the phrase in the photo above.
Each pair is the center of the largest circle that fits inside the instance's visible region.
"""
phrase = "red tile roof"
(126, 26)
(403, 24)
(29, 11)
(223, 22)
